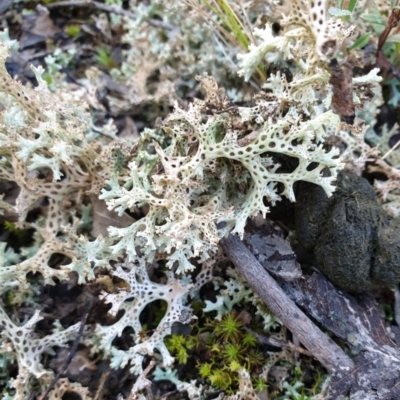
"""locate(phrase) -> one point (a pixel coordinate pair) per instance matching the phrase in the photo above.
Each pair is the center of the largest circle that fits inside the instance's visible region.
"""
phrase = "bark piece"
(342, 86)
(358, 322)
(37, 28)
(273, 252)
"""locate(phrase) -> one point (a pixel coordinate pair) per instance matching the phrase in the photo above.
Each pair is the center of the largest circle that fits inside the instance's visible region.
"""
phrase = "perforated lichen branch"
(85, 256)
(44, 150)
(28, 348)
(309, 38)
(201, 173)
(142, 292)
(210, 174)
(40, 132)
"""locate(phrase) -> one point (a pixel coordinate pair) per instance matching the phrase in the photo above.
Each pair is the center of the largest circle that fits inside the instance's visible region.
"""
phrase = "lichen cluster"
(207, 168)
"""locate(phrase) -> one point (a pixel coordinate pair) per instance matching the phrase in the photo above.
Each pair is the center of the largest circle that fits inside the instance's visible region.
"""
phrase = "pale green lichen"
(199, 186)
(207, 168)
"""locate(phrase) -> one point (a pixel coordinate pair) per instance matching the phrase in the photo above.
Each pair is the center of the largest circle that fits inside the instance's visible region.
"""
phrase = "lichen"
(199, 174)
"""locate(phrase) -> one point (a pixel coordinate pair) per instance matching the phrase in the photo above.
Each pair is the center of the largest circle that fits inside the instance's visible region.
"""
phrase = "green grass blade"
(348, 5)
(360, 42)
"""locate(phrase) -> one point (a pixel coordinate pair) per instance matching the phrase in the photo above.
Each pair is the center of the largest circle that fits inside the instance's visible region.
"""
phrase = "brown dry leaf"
(129, 131)
(104, 218)
(357, 321)
(393, 21)
(80, 369)
(386, 66)
(37, 28)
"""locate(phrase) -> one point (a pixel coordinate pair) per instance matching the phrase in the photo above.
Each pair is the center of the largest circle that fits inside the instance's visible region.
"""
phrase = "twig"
(165, 395)
(246, 18)
(70, 354)
(393, 20)
(251, 137)
(297, 349)
(143, 383)
(103, 379)
(324, 349)
(277, 343)
(391, 149)
(110, 9)
(270, 341)
(161, 24)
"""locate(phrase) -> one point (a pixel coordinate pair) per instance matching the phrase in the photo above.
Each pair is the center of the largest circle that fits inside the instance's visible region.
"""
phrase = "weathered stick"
(324, 349)
(71, 353)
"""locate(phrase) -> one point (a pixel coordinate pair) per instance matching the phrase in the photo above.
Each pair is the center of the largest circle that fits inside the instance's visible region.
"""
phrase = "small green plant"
(104, 58)
(221, 379)
(229, 328)
(249, 340)
(10, 227)
(319, 381)
(205, 369)
(259, 385)
(254, 358)
(179, 345)
(23, 237)
(73, 30)
(227, 349)
(233, 352)
(224, 349)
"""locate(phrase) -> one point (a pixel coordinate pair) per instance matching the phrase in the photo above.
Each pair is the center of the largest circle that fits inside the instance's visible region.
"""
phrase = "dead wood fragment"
(342, 86)
(272, 251)
(103, 379)
(355, 320)
(358, 322)
(381, 60)
(323, 348)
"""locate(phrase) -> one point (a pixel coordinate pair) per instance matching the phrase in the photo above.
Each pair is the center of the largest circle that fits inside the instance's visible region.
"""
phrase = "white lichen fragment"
(210, 176)
(28, 349)
(142, 292)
